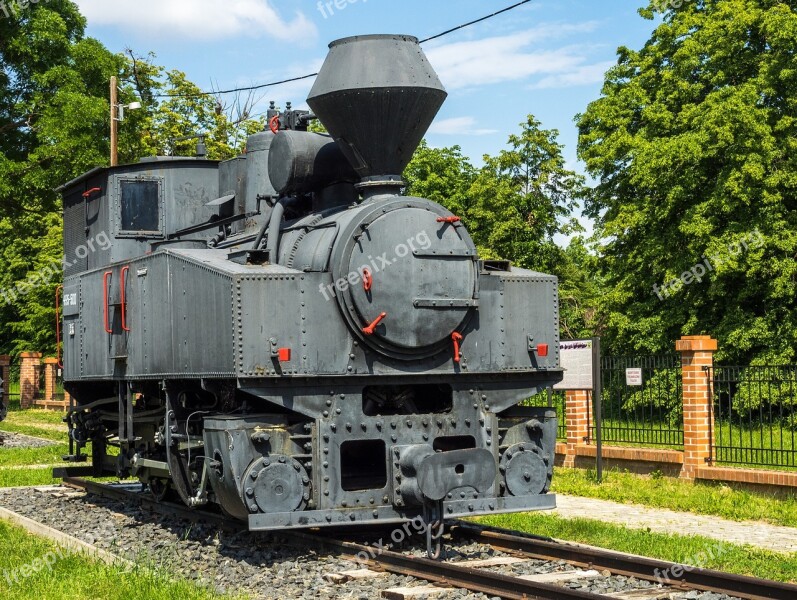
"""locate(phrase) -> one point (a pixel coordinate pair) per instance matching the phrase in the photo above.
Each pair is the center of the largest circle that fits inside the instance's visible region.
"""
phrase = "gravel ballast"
(264, 566)
(17, 440)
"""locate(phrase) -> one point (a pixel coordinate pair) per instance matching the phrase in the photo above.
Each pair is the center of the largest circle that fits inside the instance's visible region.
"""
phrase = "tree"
(176, 108)
(54, 125)
(693, 145)
(442, 175)
(524, 198)
(53, 119)
(580, 290)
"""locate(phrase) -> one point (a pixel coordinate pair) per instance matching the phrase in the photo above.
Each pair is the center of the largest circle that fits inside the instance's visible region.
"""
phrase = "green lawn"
(742, 560)
(55, 574)
(48, 455)
(72, 577)
(37, 423)
(706, 498)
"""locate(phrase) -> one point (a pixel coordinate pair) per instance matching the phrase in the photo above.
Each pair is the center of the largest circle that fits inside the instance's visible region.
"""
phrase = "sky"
(546, 58)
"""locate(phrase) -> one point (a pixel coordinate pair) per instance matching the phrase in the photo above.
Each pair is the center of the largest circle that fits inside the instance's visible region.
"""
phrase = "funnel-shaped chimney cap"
(377, 96)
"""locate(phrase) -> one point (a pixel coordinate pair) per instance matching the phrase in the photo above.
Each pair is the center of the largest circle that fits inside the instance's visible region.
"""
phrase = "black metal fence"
(13, 387)
(649, 414)
(755, 415)
(557, 400)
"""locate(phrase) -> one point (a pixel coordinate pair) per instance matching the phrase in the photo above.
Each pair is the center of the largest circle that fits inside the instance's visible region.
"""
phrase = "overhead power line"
(464, 25)
(309, 75)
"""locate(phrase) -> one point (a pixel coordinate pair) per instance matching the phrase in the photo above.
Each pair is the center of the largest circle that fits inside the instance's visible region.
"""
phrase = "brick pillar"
(29, 378)
(578, 417)
(5, 373)
(697, 352)
(50, 374)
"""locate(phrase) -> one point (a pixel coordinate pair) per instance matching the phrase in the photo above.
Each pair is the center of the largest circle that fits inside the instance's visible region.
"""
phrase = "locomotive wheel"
(525, 470)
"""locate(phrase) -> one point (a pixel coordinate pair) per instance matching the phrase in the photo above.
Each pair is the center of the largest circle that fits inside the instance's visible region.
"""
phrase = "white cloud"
(459, 126)
(513, 57)
(198, 19)
(584, 75)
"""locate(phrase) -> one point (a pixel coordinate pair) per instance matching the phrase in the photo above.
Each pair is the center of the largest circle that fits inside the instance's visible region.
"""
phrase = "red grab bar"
(105, 278)
(123, 284)
(58, 290)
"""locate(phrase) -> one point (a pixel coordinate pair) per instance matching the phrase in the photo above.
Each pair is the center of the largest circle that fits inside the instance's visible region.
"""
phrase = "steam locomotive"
(287, 336)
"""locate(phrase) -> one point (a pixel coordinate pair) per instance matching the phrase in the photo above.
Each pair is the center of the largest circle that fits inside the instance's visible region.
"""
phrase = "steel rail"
(175, 510)
(453, 575)
(740, 586)
(488, 582)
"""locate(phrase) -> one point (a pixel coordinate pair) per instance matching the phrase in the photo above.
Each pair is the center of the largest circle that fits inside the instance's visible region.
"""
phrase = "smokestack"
(377, 96)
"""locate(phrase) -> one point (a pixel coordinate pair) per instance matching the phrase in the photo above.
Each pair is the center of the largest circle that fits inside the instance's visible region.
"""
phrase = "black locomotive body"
(284, 334)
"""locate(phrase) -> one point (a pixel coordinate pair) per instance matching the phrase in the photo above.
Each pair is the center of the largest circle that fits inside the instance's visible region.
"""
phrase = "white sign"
(575, 357)
(633, 377)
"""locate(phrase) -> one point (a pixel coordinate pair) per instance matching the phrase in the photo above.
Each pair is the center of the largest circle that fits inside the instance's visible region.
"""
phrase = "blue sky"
(546, 58)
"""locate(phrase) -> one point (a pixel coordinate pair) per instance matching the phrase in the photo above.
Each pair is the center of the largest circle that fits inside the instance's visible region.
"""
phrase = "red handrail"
(123, 283)
(105, 278)
(58, 289)
(274, 124)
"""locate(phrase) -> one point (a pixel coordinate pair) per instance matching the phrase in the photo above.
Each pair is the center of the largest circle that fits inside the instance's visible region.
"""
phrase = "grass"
(37, 423)
(26, 477)
(705, 498)
(75, 577)
(48, 455)
(742, 560)
(770, 446)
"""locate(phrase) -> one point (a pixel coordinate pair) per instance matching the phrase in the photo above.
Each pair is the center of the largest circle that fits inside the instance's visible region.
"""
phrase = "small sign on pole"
(633, 377)
(581, 361)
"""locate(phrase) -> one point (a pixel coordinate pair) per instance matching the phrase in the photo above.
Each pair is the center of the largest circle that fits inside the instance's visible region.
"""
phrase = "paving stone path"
(770, 537)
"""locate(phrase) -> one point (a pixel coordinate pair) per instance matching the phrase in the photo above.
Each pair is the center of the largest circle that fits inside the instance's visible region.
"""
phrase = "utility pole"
(114, 123)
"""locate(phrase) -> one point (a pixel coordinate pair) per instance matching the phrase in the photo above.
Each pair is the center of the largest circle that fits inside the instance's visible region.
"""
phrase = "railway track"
(588, 564)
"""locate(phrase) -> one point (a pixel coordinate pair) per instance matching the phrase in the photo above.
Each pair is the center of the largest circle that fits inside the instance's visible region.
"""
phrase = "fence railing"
(555, 400)
(646, 415)
(558, 400)
(755, 415)
(12, 385)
